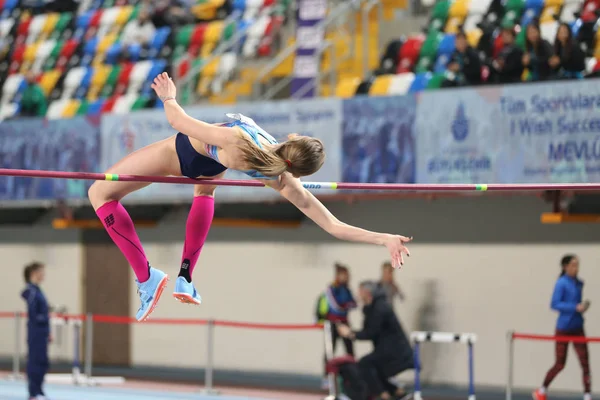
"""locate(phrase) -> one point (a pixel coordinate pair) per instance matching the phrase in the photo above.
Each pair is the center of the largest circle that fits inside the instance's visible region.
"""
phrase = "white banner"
(123, 134)
(534, 133)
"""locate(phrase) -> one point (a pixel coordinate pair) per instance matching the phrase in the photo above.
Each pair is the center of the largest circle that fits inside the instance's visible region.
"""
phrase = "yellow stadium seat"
(474, 36)
(554, 3)
(381, 85)
(106, 42)
(346, 87)
(207, 10)
(49, 80)
(123, 15)
(50, 24)
(31, 52)
(100, 75)
(453, 24)
(549, 12)
(207, 49)
(212, 67)
(71, 109)
(214, 31)
(460, 8)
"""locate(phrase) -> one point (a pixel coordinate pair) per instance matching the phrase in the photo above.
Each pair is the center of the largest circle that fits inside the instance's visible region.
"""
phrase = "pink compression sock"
(119, 226)
(196, 231)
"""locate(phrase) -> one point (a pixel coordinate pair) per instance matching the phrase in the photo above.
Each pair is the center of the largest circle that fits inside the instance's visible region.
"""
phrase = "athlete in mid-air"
(207, 151)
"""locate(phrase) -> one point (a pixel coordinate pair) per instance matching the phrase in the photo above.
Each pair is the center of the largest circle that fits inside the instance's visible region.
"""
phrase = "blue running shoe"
(150, 292)
(185, 292)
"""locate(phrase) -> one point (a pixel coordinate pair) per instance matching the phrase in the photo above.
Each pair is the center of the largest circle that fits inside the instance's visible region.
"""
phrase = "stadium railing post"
(510, 363)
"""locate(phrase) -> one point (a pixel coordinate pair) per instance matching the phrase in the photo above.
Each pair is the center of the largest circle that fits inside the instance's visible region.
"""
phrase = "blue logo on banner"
(460, 125)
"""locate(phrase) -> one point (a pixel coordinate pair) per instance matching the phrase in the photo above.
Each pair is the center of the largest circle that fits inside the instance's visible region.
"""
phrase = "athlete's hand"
(164, 87)
(396, 246)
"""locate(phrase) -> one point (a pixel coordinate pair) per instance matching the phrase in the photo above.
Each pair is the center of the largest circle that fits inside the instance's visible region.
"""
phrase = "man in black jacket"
(392, 353)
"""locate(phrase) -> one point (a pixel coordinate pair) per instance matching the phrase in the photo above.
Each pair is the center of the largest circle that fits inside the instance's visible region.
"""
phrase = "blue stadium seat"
(134, 51)
(420, 82)
(89, 51)
(239, 5)
(441, 64)
(96, 4)
(447, 45)
(575, 26)
(82, 24)
(529, 15)
(158, 66)
(159, 41)
(536, 5)
(85, 83)
(95, 108)
(113, 53)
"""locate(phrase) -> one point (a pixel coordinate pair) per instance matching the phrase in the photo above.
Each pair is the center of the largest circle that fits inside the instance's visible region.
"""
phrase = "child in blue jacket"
(38, 330)
(567, 300)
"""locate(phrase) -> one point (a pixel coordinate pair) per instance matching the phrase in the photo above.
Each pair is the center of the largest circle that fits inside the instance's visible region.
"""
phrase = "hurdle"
(442, 337)
(75, 377)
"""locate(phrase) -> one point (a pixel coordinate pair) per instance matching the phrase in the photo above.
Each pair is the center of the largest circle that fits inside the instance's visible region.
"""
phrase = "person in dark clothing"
(567, 300)
(568, 60)
(464, 64)
(537, 55)
(507, 66)
(38, 329)
(392, 353)
(334, 305)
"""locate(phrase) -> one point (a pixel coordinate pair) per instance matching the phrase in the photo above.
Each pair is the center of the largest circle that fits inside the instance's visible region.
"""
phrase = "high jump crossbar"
(401, 187)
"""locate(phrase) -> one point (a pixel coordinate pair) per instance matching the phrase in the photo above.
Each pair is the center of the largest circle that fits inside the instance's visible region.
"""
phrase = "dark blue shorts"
(192, 163)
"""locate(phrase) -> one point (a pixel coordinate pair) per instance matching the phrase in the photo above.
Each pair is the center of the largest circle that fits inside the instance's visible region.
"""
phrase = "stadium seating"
(419, 62)
(83, 67)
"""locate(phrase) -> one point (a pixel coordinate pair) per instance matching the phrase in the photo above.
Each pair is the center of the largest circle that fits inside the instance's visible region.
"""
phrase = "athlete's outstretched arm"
(211, 134)
(291, 188)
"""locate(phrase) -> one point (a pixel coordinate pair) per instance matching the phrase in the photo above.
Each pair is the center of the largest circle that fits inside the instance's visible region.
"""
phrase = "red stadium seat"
(123, 80)
(183, 68)
(23, 28)
(411, 49)
(110, 103)
(17, 59)
(498, 45)
(66, 53)
(197, 39)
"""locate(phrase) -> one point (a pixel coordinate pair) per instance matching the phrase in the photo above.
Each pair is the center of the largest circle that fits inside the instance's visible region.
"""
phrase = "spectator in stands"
(537, 54)
(139, 31)
(392, 353)
(33, 101)
(464, 64)
(388, 285)
(38, 329)
(568, 60)
(169, 12)
(507, 66)
(335, 303)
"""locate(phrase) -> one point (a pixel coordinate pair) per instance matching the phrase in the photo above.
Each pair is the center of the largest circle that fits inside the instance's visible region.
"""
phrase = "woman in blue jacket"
(38, 330)
(566, 299)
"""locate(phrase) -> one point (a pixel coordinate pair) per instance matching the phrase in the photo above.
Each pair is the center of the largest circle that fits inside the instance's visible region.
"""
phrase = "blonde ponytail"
(300, 156)
(266, 162)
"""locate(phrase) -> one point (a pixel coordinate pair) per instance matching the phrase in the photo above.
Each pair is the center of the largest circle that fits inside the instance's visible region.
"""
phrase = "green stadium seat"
(441, 10)
(436, 81)
(54, 54)
(183, 38)
(515, 5)
(61, 25)
(83, 107)
(140, 103)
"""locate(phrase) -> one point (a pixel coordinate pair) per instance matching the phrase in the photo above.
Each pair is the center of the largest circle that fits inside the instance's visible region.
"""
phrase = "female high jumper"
(207, 150)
